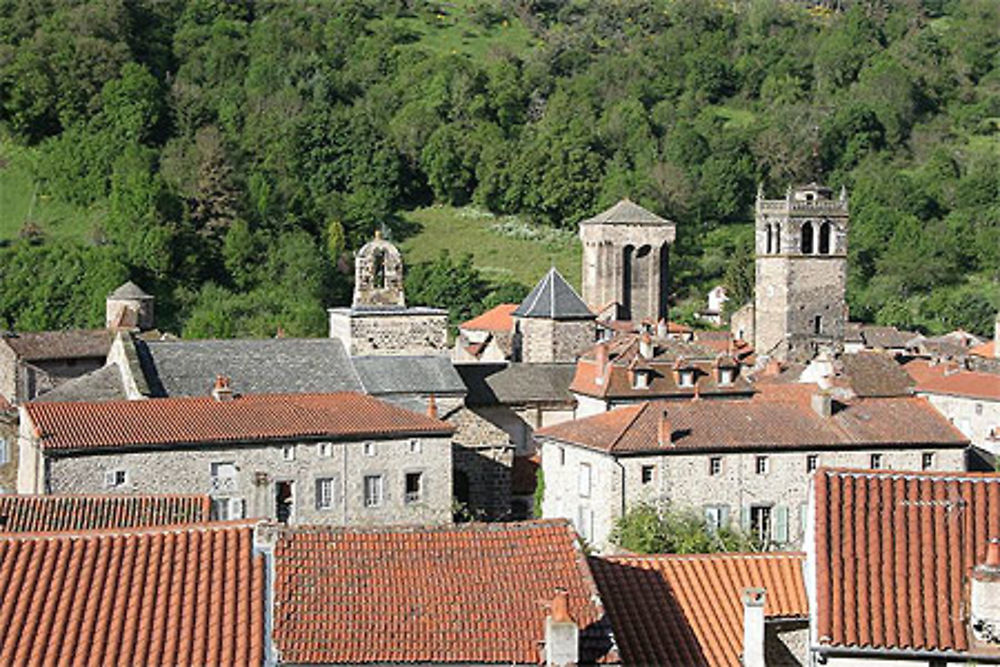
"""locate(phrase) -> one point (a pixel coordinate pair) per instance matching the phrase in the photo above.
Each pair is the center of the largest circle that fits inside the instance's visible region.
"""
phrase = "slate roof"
(886, 337)
(872, 374)
(553, 298)
(472, 593)
(497, 318)
(274, 365)
(944, 378)
(104, 384)
(893, 551)
(129, 290)
(55, 345)
(515, 384)
(718, 424)
(686, 611)
(427, 374)
(154, 596)
(626, 212)
(250, 418)
(48, 513)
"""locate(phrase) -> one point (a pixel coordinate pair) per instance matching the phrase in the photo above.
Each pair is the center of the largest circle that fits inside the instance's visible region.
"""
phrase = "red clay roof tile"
(497, 318)
(191, 595)
(893, 551)
(38, 513)
(167, 421)
(946, 379)
(471, 593)
(686, 610)
(767, 422)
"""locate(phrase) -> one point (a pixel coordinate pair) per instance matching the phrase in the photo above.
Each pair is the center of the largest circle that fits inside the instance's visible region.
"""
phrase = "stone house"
(632, 368)
(738, 462)
(552, 324)
(486, 338)
(903, 568)
(33, 363)
(8, 447)
(342, 458)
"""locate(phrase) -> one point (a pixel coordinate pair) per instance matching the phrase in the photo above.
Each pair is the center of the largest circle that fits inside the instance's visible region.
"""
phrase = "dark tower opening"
(627, 258)
(807, 239)
(378, 269)
(770, 240)
(824, 238)
(663, 308)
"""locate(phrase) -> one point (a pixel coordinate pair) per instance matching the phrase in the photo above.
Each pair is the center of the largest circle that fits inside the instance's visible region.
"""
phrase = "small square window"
(812, 462)
(414, 487)
(979, 408)
(114, 479)
(761, 465)
(647, 474)
(288, 452)
(715, 465)
(686, 378)
(927, 460)
(726, 376)
(325, 449)
(876, 461)
(414, 446)
(369, 449)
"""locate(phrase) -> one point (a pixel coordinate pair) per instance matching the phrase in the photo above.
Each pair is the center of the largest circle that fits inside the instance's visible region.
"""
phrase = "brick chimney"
(984, 607)
(822, 403)
(222, 390)
(601, 362)
(753, 627)
(432, 407)
(664, 430)
(562, 636)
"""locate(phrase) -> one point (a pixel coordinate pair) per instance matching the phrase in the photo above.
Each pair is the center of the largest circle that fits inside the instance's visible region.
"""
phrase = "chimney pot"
(646, 346)
(753, 627)
(222, 391)
(432, 408)
(665, 431)
(562, 636)
(662, 330)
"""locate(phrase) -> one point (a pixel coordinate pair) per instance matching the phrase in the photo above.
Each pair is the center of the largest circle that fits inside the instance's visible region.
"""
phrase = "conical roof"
(129, 290)
(627, 212)
(555, 299)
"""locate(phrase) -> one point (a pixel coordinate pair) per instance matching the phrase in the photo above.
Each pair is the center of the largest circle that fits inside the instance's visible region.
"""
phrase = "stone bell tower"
(378, 274)
(801, 273)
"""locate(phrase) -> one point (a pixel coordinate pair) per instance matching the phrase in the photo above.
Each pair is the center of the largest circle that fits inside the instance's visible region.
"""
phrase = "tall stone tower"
(626, 261)
(801, 273)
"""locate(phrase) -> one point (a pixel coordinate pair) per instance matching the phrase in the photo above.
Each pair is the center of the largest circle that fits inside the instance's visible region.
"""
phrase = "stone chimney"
(222, 391)
(562, 636)
(432, 407)
(662, 330)
(984, 607)
(822, 403)
(664, 430)
(753, 627)
(646, 345)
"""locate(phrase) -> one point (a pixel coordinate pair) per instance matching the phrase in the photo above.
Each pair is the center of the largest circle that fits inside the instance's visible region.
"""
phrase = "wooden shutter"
(779, 525)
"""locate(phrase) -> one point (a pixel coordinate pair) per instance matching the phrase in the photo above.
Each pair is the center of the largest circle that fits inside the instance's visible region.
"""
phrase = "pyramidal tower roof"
(555, 299)
(627, 212)
(128, 290)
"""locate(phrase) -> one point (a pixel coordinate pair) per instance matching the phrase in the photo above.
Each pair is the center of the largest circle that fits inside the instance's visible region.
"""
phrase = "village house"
(903, 568)
(474, 594)
(716, 610)
(341, 458)
(737, 462)
(632, 368)
(486, 338)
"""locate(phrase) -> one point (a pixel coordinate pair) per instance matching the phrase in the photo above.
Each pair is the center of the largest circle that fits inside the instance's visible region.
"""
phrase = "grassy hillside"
(22, 202)
(503, 248)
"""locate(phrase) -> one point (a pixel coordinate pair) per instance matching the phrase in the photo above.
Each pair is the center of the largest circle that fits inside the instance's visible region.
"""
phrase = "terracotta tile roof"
(37, 513)
(49, 345)
(987, 350)
(893, 551)
(495, 319)
(947, 379)
(190, 595)
(169, 421)
(472, 593)
(687, 610)
(765, 423)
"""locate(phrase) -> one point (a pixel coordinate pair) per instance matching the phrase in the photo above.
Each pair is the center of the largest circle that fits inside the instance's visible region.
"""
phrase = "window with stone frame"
(115, 479)
(760, 523)
(812, 462)
(927, 460)
(648, 474)
(373, 490)
(716, 517)
(761, 465)
(714, 465)
(223, 475)
(875, 461)
(288, 452)
(414, 487)
(326, 488)
(325, 449)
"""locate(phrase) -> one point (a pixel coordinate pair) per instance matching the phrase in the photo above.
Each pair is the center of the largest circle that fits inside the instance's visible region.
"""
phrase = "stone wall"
(786, 643)
(9, 446)
(974, 417)
(8, 373)
(548, 341)
(684, 481)
(402, 333)
(261, 467)
(482, 456)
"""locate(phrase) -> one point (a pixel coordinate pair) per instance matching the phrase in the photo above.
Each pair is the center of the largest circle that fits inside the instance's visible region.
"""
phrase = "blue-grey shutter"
(745, 518)
(780, 525)
(724, 516)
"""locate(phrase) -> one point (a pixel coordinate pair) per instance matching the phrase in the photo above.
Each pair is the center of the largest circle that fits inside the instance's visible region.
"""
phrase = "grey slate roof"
(876, 374)
(408, 375)
(129, 290)
(267, 366)
(626, 212)
(553, 298)
(104, 384)
(497, 384)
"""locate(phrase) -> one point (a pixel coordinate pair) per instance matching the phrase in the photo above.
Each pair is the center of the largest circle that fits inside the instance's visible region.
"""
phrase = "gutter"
(822, 654)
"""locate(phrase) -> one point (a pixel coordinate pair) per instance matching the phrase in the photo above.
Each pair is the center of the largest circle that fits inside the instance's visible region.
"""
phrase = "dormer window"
(686, 378)
(727, 375)
(640, 380)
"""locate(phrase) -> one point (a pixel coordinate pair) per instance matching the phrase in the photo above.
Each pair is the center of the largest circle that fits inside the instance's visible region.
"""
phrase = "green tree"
(649, 529)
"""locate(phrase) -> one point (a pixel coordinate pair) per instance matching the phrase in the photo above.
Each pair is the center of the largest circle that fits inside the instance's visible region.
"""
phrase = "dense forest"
(238, 151)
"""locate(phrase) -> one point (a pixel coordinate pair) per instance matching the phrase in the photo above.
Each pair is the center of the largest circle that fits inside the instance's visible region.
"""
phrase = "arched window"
(824, 238)
(378, 269)
(770, 240)
(777, 239)
(807, 238)
(818, 324)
